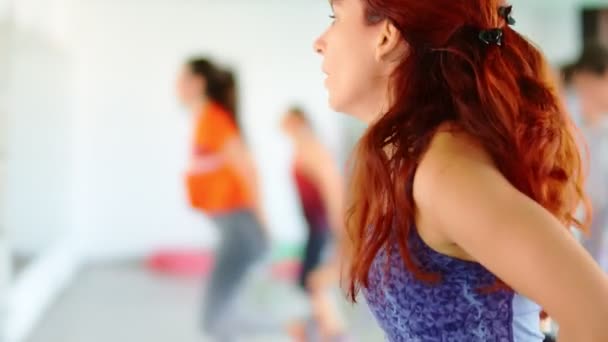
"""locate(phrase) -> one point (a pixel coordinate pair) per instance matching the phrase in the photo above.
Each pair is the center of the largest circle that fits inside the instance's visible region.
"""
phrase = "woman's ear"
(390, 46)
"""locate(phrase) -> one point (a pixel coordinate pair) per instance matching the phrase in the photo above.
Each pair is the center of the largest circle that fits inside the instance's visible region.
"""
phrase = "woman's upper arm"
(236, 153)
(515, 238)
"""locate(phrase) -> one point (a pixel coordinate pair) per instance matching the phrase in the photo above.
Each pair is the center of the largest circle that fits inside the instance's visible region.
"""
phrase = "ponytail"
(221, 84)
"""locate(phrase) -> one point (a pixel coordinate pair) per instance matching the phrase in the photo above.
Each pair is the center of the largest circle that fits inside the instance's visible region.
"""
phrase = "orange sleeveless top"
(213, 186)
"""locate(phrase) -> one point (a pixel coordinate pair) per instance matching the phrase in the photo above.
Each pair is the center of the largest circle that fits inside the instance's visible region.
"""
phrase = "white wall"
(4, 8)
(37, 120)
(553, 25)
(5, 267)
(131, 138)
(38, 161)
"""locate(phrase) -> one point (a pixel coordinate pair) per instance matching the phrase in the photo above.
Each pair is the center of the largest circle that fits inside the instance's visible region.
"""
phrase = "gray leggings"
(242, 244)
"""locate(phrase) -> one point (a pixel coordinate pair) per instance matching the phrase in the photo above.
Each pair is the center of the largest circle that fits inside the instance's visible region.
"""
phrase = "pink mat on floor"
(199, 264)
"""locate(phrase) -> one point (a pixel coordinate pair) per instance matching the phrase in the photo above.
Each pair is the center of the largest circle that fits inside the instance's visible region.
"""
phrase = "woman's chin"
(333, 100)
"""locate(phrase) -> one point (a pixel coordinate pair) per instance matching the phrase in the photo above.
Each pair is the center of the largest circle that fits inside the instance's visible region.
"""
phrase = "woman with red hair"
(467, 178)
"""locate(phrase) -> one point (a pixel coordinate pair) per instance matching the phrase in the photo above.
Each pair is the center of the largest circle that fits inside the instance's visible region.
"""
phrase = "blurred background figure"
(589, 81)
(222, 183)
(320, 190)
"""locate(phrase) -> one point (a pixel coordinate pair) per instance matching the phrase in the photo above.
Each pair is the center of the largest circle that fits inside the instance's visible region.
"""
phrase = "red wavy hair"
(501, 95)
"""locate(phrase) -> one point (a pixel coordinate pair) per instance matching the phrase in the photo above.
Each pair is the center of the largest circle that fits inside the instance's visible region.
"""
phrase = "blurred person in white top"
(590, 84)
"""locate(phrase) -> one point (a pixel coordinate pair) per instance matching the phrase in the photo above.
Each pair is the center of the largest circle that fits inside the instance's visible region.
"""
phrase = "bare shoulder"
(451, 155)
(451, 145)
(315, 152)
(454, 163)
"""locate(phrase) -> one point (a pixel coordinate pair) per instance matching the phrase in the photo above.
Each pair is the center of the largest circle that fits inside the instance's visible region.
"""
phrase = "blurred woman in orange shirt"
(222, 183)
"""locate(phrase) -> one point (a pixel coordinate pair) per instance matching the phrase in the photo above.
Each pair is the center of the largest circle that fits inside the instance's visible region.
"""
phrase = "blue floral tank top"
(455, 309)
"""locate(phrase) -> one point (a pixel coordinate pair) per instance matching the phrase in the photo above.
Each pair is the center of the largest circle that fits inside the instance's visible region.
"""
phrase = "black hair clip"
(505, 13)
(493, 36)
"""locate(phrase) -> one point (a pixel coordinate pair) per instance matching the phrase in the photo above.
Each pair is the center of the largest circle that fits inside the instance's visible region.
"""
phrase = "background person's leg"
(313, 253)
(242, 243)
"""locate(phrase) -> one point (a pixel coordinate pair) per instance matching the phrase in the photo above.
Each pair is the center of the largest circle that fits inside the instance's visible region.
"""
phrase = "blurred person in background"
(466, 180)
(564, 76)
(589, 80)
(320, 189)
(222, 183)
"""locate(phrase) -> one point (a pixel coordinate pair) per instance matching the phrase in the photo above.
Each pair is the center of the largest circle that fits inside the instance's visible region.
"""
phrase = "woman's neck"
(199, 105)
